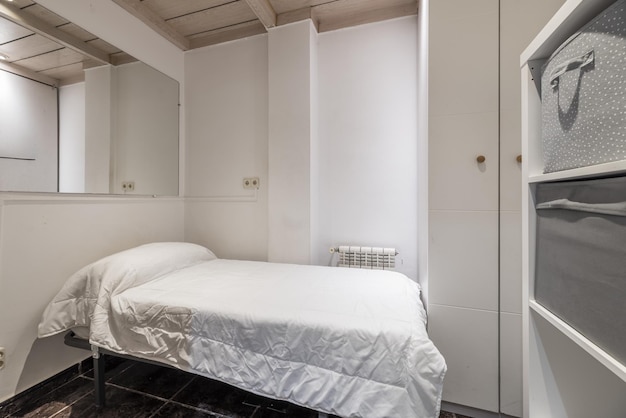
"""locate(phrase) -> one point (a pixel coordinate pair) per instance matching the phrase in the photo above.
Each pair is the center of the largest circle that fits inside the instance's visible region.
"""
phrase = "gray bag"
(583, 95)
(581, 258)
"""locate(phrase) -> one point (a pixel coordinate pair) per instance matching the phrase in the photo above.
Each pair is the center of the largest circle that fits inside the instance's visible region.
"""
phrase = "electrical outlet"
(128, 186)
(251, 183)
(2, 358)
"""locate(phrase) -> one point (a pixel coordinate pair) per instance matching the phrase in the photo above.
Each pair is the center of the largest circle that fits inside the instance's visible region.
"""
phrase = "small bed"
(347, 342)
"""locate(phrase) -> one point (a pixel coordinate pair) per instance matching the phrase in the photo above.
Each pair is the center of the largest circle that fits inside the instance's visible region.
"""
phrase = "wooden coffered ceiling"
(192, 24)
(39, 43)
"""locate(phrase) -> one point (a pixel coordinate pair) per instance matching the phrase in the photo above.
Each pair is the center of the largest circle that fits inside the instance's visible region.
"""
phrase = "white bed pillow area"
(77, 299)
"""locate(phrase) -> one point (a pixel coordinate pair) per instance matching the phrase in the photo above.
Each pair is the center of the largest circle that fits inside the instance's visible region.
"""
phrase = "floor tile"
(25, 399)
(70, 395)
(120, 403)
(172, 410)
(278, 409)
(163, 382)
(212, 396)
(40, 404)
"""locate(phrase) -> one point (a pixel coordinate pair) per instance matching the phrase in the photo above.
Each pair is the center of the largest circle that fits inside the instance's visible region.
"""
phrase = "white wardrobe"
(474, 261)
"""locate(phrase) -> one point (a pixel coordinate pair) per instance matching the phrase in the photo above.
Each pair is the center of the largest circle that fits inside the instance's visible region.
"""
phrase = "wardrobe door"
(463, 197)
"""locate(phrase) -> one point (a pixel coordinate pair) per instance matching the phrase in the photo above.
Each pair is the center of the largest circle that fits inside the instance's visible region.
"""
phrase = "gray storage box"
(583, 95)
(581, 258)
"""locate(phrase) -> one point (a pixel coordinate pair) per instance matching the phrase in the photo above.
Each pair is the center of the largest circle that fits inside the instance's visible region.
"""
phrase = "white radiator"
(376, 258)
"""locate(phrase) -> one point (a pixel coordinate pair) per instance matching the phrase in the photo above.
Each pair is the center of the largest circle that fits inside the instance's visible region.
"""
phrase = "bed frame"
(98, 355)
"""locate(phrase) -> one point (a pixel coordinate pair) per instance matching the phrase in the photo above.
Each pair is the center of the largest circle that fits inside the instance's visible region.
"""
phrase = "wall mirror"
(77, 115)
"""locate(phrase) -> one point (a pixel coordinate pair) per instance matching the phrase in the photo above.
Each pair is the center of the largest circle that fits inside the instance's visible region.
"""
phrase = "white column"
(292, 141)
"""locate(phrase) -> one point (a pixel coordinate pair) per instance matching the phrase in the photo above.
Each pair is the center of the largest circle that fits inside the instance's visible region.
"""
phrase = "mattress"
(343, 341)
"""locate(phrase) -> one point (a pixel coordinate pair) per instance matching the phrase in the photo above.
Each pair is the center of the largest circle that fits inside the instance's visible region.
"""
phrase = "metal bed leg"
(98, 376)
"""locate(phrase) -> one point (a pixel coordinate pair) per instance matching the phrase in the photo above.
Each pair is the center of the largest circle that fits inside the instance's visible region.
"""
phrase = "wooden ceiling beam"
(298, 15)
(155, 22)
(33, 23)
(242, 30)
(264, 11)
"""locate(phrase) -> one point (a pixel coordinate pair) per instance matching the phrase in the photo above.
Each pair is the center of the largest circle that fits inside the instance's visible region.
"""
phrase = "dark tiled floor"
(141, 390)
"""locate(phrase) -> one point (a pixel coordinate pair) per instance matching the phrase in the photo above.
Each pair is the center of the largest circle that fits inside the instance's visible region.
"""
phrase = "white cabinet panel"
(511, 262)
(468, 340)
(511, 364)
(463, 56)
(456, 179)
(463, 259)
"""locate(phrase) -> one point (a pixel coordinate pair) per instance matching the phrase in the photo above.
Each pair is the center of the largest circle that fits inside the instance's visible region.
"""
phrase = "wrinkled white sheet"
(343, 341)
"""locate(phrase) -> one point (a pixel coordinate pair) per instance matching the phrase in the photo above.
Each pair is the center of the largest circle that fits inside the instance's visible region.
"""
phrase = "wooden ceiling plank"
(344, 14)
(23, 3)
(9, 31)
(105, 46)
(36, 25)
(67, 74)
(52, 59)
(264, 11)
(155, 22)
(77, 32)
(229, 14)
(29, 46)
(232, 33)
(169, 9)
(44, 15)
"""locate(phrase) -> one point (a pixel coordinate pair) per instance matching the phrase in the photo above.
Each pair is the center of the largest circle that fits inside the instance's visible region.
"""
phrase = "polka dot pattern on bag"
(583, 89)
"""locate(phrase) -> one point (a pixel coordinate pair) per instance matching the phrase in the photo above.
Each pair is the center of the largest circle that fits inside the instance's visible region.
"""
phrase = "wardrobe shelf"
(599, 354)
(605, 169)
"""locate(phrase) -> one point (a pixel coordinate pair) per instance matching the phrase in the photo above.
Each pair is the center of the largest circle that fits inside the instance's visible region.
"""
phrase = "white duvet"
(348, 342)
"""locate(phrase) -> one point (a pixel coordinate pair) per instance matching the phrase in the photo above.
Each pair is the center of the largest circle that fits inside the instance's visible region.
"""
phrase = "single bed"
(347, 342)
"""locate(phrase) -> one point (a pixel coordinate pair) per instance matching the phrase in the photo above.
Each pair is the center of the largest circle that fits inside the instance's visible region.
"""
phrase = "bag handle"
(615, 209)
(569, 65)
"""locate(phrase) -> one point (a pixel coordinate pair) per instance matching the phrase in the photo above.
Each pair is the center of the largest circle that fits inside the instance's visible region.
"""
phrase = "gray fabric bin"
(581, 258)
(583, 95)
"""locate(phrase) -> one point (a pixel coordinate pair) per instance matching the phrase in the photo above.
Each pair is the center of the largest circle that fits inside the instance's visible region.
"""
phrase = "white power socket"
(128, 186)
(2, 358)
(251, 183)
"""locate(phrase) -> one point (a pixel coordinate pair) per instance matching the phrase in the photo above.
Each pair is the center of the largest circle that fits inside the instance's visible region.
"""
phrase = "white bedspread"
(343, 341)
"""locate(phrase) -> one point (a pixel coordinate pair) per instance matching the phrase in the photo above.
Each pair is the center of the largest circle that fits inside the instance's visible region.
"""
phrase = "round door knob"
(480, 159)
(519, 159)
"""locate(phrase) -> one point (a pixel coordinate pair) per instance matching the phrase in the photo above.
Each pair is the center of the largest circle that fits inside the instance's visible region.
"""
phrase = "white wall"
(32, 147)
(227, 125)
(368, 157)
(72, 138)
(366, 154)
(44, 239)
